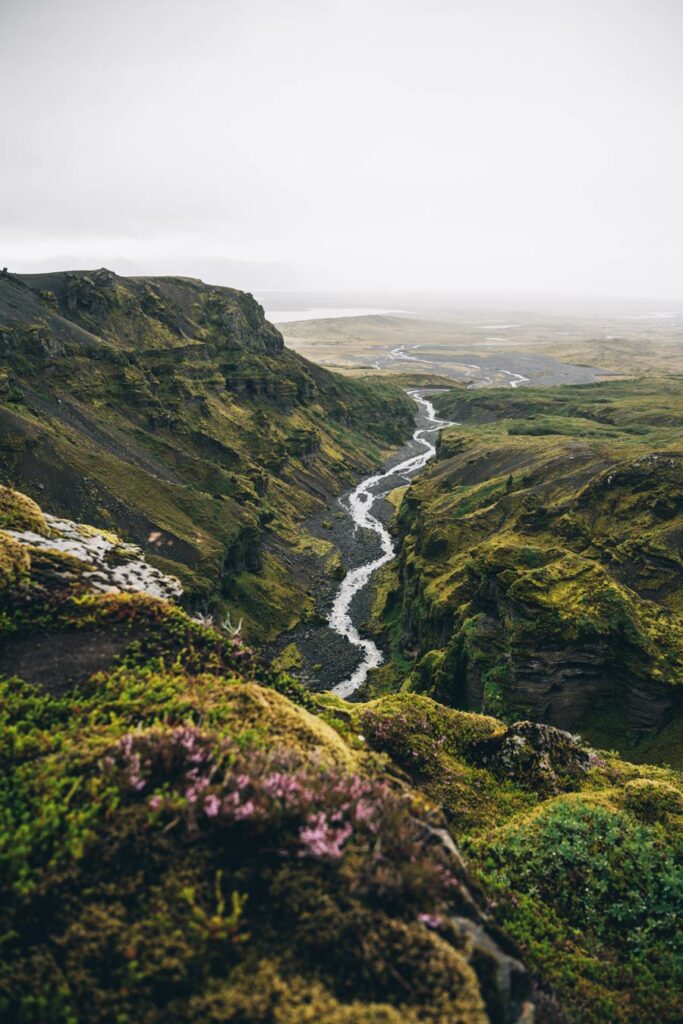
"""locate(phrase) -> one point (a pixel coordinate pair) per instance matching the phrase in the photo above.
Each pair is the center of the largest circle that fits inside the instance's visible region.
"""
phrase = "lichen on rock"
(111, 566)
(536, 755)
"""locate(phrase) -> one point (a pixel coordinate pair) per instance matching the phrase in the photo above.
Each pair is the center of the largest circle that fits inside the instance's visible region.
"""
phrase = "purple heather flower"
(212, 805)
(244, 811)
(430, 920)
(323, 841)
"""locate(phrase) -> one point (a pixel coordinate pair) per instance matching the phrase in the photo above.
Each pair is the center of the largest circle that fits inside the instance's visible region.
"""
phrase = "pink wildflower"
(430, 920)
(155, 803)
(323, 841)
(212, 805)
(365, 812)
(187, 738)
(244, 811)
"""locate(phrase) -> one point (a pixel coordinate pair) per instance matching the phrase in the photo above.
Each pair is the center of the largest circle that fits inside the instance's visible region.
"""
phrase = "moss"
(14, 562)
(652, 800)
(539, 572)
(435, 746)
(19, 512)
(152, 916)
(289, 658)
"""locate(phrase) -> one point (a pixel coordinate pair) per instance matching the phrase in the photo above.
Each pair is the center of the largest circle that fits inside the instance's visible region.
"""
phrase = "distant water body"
(288, 316)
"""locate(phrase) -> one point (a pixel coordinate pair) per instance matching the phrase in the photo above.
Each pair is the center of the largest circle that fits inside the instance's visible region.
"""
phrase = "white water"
(519, 379)
(360, 503)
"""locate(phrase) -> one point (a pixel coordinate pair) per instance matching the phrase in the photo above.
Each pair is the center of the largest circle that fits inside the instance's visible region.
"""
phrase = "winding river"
(359, 505)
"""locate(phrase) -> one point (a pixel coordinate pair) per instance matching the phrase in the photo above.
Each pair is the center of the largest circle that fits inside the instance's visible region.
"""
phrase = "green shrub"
(583, 884)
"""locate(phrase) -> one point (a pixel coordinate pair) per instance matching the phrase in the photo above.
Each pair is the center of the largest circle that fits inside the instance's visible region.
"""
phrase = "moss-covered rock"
(19, 512)
(535, 755)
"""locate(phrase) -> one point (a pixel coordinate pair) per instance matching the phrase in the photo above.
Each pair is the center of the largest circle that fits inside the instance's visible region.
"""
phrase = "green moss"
(152, 917)
(652, 800)
(14, 562)
(590, 895)
(289, 658)
(539, 570)
(19, 512)
(434, 744)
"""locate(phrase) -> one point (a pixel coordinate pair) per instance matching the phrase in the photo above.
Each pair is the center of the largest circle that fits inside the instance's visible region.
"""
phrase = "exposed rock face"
(540, 756)
(504, 980)
(110, 567)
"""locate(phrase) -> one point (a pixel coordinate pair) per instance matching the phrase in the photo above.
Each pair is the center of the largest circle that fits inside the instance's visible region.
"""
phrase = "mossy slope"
(169, 410)
(541, 568)
(181, 841)
(580, 851)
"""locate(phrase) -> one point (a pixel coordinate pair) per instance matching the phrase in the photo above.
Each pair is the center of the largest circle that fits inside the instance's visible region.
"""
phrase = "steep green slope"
(170, 410)
(541, 561)
(187, 836)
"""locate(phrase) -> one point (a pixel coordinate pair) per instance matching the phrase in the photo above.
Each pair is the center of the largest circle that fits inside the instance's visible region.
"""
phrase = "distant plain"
(485, 347)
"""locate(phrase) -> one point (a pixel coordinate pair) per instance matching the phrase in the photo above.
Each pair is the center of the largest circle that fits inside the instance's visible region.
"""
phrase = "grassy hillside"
(541, 562)
(170, 410)
(186, 835)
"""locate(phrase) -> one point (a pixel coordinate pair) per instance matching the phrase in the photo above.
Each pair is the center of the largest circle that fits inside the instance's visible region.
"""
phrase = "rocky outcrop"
(540, 756)
(69, 552)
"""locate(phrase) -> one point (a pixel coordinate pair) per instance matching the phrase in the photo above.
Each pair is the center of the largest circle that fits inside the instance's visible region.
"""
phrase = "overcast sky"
(520, 146)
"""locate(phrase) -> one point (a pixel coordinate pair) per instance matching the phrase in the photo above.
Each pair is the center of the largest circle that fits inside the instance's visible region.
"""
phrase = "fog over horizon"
(472, 150)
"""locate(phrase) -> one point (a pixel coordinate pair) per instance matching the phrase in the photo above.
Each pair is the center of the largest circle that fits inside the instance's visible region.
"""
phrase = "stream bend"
(359, 505)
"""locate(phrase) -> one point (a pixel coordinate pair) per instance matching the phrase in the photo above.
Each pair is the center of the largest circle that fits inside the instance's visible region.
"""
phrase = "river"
(331, 653)
(359, 504)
